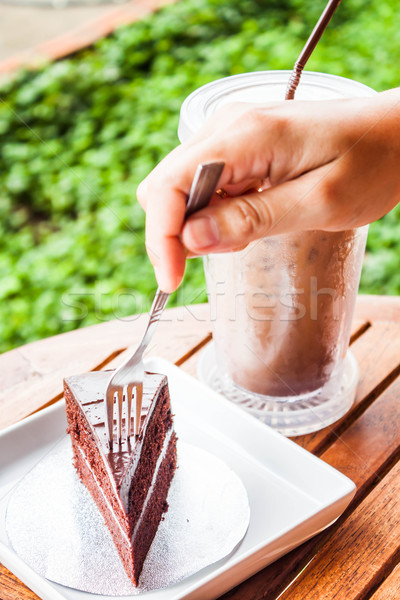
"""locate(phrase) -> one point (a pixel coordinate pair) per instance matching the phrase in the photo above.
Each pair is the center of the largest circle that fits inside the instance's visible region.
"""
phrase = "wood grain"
(358, 328)
(378, 353)
(356, 558)
(372, 442)
(390, 588)
(11, 588)
(377, 308)
(363, 453)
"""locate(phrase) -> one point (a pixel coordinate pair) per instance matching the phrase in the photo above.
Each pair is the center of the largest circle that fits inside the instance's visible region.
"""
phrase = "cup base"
(292, 415)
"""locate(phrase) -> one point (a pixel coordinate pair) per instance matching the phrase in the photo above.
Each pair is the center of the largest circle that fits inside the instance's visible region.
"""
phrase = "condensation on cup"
(281, 309)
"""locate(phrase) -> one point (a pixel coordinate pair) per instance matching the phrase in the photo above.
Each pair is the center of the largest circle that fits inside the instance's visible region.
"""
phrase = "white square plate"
(292, 494)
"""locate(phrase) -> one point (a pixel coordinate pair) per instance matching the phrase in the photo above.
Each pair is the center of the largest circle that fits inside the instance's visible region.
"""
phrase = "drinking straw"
(309, 47)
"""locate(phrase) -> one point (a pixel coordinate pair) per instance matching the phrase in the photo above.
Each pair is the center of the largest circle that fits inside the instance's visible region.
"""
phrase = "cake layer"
(158, 428)
(121, 540)
(154, 508)
(133, 550)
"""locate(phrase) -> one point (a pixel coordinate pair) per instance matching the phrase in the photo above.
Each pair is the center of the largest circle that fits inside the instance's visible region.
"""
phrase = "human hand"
(330, 165)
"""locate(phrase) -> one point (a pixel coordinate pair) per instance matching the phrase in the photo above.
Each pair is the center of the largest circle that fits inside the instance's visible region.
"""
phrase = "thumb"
(232, 223)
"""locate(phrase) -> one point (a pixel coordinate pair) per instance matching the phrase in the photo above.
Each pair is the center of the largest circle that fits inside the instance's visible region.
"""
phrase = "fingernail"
(162, 280)
(203, 231)
(167, 283)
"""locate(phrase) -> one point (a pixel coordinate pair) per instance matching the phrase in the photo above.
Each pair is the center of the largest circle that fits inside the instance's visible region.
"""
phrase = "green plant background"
(78, 135)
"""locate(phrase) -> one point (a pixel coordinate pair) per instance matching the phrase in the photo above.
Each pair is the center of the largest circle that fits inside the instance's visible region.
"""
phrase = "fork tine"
(138, 405)
(120, 396)
(129, 393)
(109, 415)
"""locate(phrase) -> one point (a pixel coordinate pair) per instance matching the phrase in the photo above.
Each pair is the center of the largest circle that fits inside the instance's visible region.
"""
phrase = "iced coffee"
(281, 309)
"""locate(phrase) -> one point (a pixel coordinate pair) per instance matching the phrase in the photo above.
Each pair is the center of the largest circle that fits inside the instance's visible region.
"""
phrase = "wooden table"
(357, 557)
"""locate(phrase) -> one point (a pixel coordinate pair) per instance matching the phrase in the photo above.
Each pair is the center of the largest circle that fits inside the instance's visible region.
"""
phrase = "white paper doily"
(55, 527)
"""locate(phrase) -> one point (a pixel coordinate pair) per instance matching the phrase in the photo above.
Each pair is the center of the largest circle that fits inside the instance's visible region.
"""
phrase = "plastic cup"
(281, 309)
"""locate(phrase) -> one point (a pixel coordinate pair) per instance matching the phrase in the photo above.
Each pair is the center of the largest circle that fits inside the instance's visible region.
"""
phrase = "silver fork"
(127, 380)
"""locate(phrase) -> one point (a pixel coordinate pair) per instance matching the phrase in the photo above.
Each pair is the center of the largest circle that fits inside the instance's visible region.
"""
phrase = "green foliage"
(78, 135)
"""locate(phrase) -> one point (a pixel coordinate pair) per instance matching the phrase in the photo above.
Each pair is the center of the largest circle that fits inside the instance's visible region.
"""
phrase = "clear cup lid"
(258, 87)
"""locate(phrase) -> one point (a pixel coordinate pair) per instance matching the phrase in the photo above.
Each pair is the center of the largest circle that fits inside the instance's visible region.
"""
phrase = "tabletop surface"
(357, 558)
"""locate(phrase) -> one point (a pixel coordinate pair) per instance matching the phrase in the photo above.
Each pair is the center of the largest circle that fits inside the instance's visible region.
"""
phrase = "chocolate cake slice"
(130, 482)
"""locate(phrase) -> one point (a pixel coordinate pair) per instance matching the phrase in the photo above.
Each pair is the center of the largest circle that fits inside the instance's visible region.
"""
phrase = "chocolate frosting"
(89, 391)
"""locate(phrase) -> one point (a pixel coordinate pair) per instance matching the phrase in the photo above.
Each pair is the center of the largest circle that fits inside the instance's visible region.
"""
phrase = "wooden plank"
(11, 588)
(365, 449)
(91, 28)
(378, 354)
(357, 557)
(198, 344)
(363, 453)
(377, 308)
(358, 328)
(390, 588)
(39, 368)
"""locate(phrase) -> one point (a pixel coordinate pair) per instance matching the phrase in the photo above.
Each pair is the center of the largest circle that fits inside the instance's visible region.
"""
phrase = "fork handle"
(204, 183)
(157, 308)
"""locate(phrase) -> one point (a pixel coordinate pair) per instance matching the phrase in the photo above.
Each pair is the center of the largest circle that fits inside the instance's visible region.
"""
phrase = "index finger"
(164, 195)
(164, 221)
